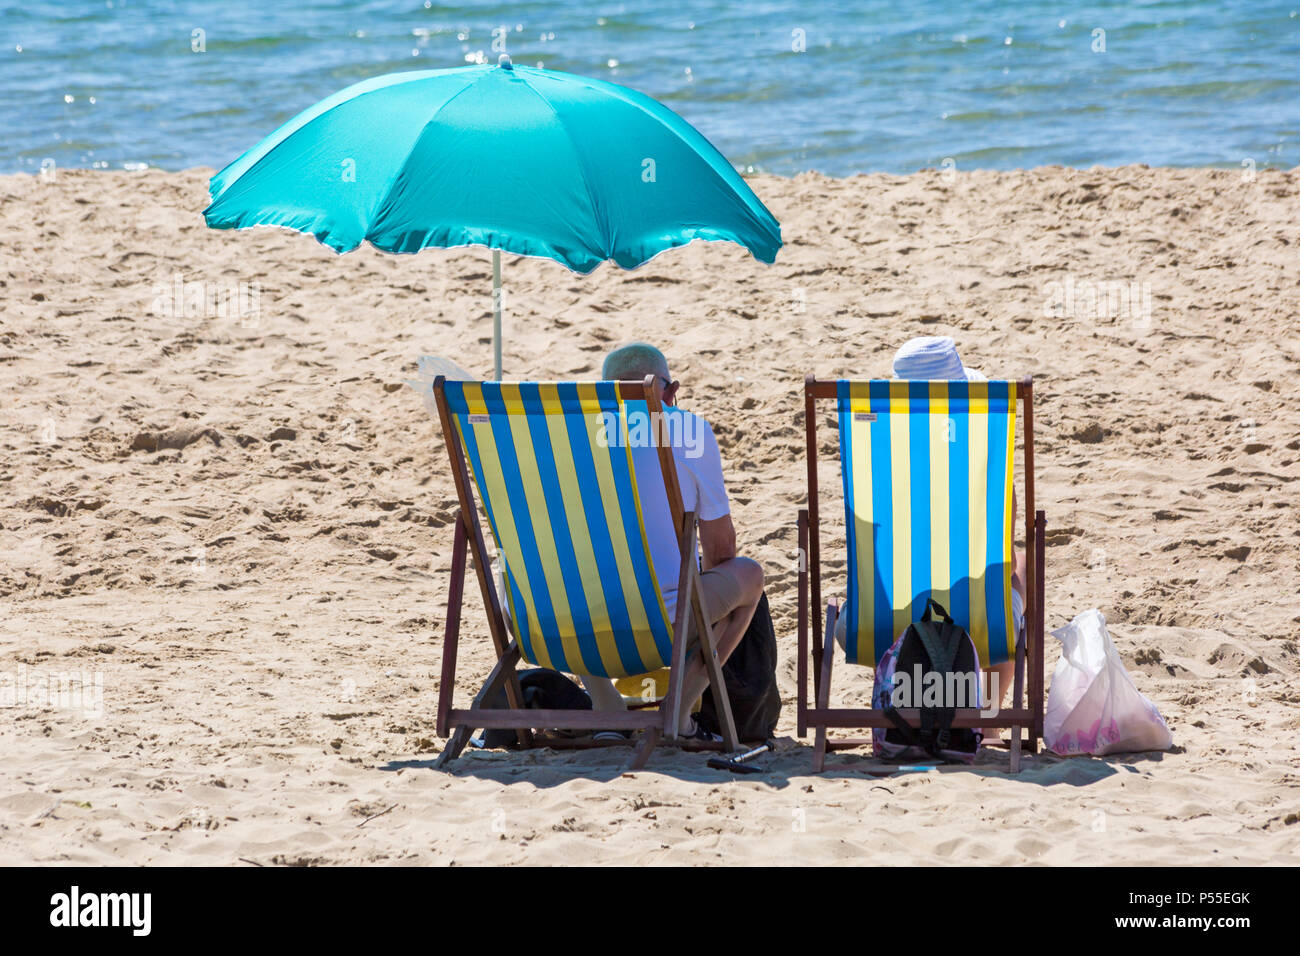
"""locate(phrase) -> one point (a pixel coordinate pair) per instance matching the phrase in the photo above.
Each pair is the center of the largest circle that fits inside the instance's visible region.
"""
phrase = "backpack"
(543, 689)
(750, 676)
(904, 680)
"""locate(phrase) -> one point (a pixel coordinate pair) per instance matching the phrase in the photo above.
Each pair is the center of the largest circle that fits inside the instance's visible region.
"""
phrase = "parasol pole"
(498, 570)
(496, 315)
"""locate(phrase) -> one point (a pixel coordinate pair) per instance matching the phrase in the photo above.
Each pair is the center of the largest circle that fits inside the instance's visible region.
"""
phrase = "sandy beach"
(224, 514)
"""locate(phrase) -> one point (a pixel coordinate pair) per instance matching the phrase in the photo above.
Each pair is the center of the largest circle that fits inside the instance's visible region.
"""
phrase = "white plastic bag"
(1093, 706)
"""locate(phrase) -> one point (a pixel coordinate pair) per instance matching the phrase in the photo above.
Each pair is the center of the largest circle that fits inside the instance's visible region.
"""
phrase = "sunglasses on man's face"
(668, 384)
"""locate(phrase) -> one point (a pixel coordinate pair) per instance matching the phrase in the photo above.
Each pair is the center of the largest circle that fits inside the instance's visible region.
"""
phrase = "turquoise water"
(778, 86)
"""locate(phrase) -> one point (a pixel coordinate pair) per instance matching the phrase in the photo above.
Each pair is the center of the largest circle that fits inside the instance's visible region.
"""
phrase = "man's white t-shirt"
(699, 472)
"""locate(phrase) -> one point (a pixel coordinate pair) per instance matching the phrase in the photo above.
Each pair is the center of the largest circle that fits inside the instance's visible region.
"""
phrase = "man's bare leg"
(735, 614)
(727, 632)
(604, 695)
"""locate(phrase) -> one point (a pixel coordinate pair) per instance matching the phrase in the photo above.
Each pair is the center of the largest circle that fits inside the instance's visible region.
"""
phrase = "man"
(731, 585)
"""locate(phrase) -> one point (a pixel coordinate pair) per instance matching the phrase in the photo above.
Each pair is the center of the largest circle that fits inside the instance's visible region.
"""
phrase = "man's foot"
(694, 730)
(611, 735)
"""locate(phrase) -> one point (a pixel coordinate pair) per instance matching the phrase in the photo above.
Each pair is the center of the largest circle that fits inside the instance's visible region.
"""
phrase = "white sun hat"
(932, 357)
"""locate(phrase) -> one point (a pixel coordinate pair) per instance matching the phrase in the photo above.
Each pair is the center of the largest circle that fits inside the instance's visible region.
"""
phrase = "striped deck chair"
(552, 467)
(927, 470)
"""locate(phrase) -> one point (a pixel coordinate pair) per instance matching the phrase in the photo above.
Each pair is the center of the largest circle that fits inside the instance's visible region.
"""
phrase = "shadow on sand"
(789, 765)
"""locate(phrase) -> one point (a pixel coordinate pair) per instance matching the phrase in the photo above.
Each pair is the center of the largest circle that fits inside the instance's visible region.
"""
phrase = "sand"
(235, 528)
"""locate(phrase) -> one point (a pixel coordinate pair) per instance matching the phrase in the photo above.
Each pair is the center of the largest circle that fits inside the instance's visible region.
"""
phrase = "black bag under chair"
(934, 667)
(543, 689)
(750, 676)
(749, 673)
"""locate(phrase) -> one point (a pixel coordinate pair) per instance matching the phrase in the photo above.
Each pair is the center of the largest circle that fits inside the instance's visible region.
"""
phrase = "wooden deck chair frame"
(690, 627)
(1023, 716)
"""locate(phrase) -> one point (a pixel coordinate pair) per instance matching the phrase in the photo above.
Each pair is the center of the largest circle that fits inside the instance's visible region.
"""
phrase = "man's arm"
(717, 533)
(717, 541)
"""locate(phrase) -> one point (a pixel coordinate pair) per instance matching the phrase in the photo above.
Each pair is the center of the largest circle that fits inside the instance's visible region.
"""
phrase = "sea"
(781, 87)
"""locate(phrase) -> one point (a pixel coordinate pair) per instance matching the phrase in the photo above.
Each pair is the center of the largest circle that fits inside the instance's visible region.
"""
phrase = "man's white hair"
(634, 362)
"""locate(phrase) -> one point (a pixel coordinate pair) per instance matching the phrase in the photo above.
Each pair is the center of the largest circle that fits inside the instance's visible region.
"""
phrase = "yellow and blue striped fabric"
(561, 499)
(928, 470)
